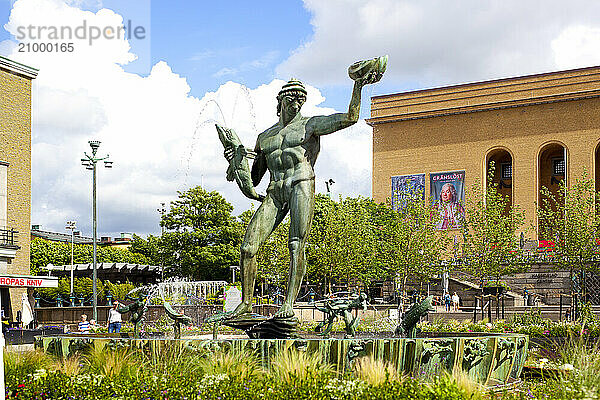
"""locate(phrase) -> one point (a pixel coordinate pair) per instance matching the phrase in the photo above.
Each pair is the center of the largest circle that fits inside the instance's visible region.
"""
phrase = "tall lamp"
(89, 162)
(71, 226)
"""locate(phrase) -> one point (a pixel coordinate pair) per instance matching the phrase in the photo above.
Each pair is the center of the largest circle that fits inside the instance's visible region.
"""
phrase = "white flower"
(567, 367)
(489, 325)
(543, 360)
(340, 389)
(211, 380)
(39, 373)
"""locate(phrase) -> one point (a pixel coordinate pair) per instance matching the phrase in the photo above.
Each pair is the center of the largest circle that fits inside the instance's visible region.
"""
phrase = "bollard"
(560, 307)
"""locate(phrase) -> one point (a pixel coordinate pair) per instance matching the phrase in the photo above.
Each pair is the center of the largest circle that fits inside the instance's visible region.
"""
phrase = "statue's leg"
(263, 222)
(302, 205)
(349, 323)
(330, 321)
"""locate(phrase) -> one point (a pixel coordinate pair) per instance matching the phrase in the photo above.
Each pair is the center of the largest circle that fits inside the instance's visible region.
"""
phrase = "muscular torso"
(290, 152)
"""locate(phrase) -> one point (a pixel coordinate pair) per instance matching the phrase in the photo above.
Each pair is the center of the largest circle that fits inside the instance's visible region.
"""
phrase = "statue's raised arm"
(362, 73)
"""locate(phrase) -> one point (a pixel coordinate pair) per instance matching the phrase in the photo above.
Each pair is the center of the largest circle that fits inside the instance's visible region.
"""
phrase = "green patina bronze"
(178, 319)
(288, 150)
(333, 308)
(238, 169)
(136, 310)
(410, 319)
(490, 360)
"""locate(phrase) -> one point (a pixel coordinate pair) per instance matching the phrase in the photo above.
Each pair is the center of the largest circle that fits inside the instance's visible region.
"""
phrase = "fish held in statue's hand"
(368, 71)
(237, 156)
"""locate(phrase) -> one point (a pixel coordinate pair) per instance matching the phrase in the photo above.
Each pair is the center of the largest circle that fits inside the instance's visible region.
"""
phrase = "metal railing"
(484, 302)
(8, 237)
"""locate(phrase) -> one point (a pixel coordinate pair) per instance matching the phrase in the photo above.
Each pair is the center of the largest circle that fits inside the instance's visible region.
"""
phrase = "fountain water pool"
(490, 360)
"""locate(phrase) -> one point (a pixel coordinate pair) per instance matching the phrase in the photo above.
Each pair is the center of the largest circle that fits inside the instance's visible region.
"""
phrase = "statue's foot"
(286, 311)
(243, 308)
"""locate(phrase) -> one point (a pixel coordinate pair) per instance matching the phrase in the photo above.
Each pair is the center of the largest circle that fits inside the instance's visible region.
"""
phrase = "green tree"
(202, 238)
(44, 252)
(273, 258)
(412, 247)
(151, 248)
(570, 219)
(490, 238)
(340, 244)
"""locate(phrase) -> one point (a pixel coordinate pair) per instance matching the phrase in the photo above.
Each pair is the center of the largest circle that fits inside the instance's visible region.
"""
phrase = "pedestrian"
(525, 297)
(447, 301)
(455, 301)
(114, 319)
(84, 325)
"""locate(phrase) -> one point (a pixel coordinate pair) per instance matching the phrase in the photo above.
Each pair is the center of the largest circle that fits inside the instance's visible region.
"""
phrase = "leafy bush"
(529, 324)
(108, 374)
(83, 287)
(530, 316)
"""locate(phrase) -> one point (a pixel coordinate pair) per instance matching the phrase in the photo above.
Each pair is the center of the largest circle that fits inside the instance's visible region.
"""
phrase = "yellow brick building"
(15, 175)
(539, 129)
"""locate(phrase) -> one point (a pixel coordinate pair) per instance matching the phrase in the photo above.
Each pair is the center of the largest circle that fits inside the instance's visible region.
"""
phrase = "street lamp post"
(71, 226)
(162, 210)
(89, 162)
(328, 184)
(234, 268)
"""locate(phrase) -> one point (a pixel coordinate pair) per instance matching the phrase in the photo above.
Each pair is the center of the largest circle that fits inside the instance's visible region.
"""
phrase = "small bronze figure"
(408, 327)
(341, 308)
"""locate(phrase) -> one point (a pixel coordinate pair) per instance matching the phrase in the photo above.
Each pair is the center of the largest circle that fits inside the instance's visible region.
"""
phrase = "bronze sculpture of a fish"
(238, 169)
(408, 325)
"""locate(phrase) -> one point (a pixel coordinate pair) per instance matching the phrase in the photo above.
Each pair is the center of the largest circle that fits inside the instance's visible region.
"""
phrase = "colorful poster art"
(448, 197)
(407, 186)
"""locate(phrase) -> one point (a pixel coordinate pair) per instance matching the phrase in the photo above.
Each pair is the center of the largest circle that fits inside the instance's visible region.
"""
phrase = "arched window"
(552, 169)
(503, 172)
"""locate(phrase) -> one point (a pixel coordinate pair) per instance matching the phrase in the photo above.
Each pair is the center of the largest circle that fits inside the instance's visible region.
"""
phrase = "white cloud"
(432, 42)
(577, 46)
(160, 138)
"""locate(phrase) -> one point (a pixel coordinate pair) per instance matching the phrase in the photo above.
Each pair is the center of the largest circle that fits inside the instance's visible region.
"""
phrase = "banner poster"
(406, 186)
(448, 197)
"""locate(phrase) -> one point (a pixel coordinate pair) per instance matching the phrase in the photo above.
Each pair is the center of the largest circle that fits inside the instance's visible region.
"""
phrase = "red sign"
(28, 281)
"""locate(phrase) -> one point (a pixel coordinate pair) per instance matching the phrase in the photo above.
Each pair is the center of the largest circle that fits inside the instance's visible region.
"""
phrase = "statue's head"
(292, 94)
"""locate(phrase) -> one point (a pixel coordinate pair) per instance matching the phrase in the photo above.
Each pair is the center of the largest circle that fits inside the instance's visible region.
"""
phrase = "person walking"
(114, 319)
(455, 302)
(447, 301)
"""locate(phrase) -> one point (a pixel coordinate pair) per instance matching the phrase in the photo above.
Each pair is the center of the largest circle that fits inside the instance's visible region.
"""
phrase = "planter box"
(26, 336)
(495, 290)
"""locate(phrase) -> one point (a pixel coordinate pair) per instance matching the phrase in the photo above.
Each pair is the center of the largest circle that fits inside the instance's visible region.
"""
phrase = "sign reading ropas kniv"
(28, 281)
(14, 281)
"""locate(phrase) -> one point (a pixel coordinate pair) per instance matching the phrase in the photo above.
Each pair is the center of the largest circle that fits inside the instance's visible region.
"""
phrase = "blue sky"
(204, 62)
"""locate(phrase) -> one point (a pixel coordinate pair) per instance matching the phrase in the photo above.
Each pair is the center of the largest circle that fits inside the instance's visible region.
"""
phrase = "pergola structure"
(115, 272)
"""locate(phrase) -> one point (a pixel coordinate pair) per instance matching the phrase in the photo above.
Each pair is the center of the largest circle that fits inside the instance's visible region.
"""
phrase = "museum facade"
(538, 129)
(15, 177)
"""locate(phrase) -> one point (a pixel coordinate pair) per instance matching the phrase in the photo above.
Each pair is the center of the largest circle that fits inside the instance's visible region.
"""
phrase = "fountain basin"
(490, 360)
